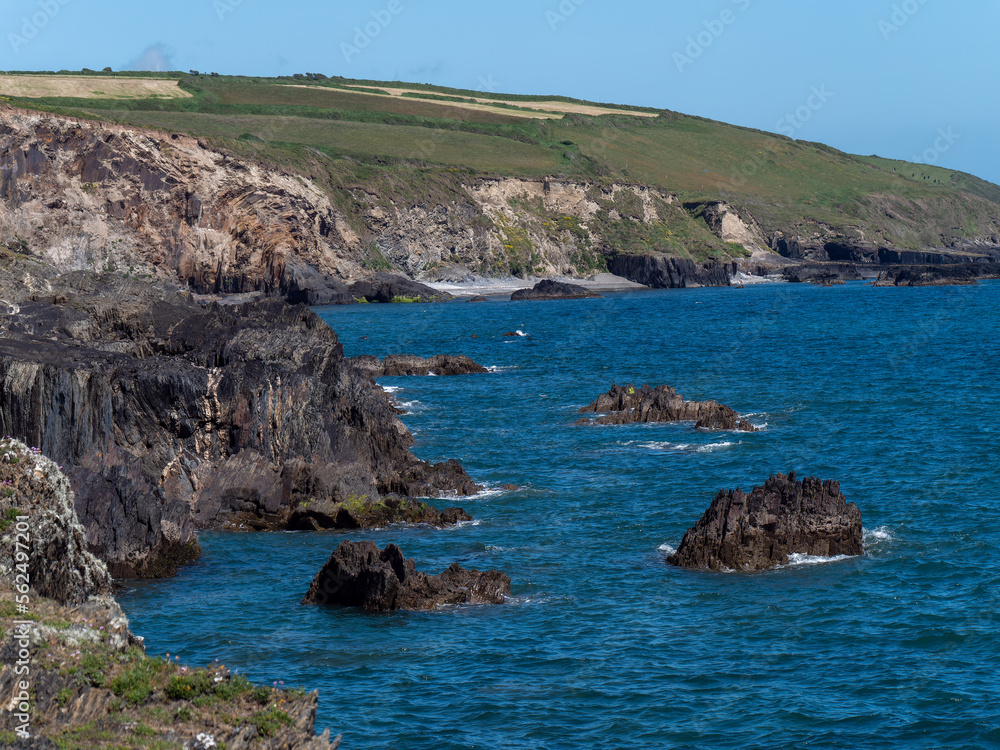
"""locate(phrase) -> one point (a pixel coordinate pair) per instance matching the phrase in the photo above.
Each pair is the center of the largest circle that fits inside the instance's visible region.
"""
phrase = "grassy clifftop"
(410, 142)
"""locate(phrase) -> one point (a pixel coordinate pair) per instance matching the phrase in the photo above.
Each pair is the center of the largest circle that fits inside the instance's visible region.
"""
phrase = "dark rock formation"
(479, 298)
(939, 275)
(391, 288)
(156, 405)
(821, 273)
(665, 272)
(760, 530)
(628, 405)
(407, 364)
(365, 513)
(549, 289)
(358, 574)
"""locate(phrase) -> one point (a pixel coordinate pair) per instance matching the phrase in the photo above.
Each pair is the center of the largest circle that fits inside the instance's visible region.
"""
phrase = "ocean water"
(893, 392)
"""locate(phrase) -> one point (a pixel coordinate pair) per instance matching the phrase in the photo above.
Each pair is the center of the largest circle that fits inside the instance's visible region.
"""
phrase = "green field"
(313, 125)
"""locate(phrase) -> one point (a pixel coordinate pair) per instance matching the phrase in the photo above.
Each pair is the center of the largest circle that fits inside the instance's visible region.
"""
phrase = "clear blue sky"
(901, 78)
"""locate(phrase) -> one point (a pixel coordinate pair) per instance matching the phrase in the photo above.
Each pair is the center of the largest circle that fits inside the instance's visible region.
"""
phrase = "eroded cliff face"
(167, 414)
(92, 196)
(84, 195)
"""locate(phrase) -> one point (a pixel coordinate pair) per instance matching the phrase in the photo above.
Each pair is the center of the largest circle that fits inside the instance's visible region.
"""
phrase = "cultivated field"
(90, 87)
(550, 108)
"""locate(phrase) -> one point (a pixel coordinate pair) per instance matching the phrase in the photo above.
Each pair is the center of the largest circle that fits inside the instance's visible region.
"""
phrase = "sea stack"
(760, 530)
(359, 574)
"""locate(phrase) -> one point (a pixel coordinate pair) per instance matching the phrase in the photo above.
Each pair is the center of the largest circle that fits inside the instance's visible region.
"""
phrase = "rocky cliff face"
(165, 412)
(83, 195)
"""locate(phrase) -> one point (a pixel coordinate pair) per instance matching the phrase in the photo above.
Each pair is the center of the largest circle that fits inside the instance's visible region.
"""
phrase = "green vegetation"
(270, 720)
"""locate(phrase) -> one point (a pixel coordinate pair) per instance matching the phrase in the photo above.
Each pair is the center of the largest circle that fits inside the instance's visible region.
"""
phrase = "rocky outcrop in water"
(667, 272)
(407, 364)
(359, 574)
(760, 530)
(547, 289)
(626, 404)
(157, 405)
(944, 275)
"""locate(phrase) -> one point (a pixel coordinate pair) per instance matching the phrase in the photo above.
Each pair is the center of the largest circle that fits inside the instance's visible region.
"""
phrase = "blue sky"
(907, 79)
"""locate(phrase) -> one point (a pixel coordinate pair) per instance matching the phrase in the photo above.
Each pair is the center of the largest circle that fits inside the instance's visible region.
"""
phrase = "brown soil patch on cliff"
(90, 87)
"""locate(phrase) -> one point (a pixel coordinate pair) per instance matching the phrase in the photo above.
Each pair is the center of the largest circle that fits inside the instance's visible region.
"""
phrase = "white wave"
(463, 524)
(432, 374)
(392, 388)
(503, 368)
(686, 447)
(488, 492)
(519, 332)
(798, 558)
(881, 534)
(667, 548)
(494, 548)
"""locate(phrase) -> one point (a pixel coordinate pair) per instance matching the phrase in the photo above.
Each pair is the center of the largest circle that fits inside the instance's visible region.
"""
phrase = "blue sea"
(893, 392)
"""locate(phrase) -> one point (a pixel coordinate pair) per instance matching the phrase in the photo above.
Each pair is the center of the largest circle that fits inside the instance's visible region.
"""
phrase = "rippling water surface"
(891, 391)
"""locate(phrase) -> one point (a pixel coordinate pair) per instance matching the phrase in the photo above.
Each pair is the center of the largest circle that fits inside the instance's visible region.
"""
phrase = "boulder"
(548, 289)
(479, 298)
(629, 405)
(359, 574)
(760, 530)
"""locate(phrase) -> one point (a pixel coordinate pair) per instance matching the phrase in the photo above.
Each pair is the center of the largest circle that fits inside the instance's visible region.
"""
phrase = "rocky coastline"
(169, 415)
(75, 676)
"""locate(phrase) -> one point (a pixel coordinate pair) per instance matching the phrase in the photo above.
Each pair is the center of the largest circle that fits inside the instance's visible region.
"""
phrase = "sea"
(892, 392)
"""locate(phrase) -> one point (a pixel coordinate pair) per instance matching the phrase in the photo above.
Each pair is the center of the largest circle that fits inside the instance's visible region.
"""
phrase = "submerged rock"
(408, 364)
(549, 289)
(629, 405)
(760, 530)
(359, 574)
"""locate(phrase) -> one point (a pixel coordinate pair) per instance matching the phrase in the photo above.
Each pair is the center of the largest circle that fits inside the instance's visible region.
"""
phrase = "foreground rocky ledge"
(74, 676)
(358, 574)
(629, 405)
(760, 530)
(169, 415)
